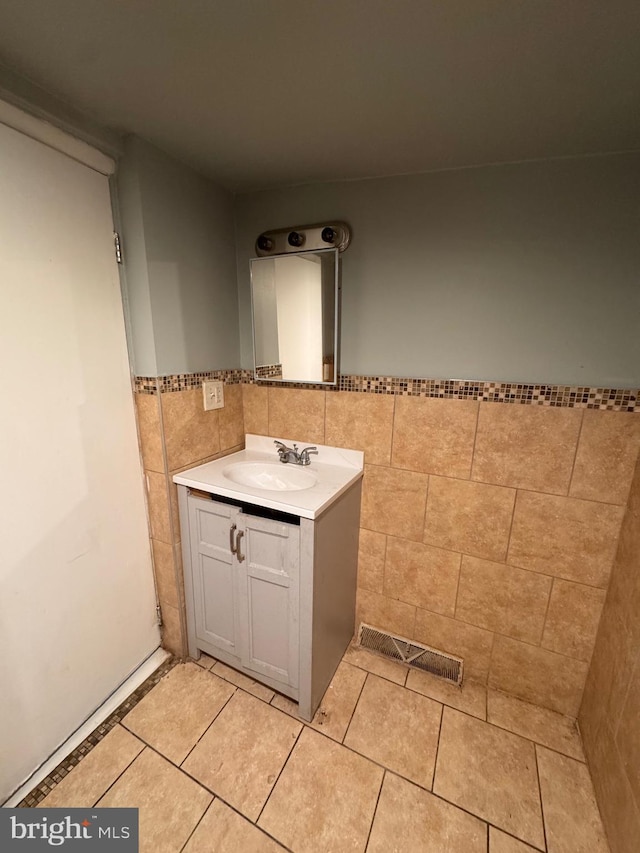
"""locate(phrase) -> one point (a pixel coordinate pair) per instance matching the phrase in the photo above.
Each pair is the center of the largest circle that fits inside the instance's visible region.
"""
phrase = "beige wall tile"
(297, 414)
(385, 613)
(614, 657)
(628, 734)
(97, 771)
(158, 505)
(422, 575)
(255, 406)
(165, 572)
(469, 517)
(170, 803)
(457, 638)
(537, 675)
(540, 725)
(150, 432)
(372, 548)
(503, 599)
(571, 816)
(415, 819)
(434, 436)
(172, 634)
(491, 773)
(572, 621)
(362, 422)
(619, 809)
(175, 714)
(607, 453)
(565, 537)
(231, 418)
(396, 728)
(529, 447)
(190, 433)
(393, 501)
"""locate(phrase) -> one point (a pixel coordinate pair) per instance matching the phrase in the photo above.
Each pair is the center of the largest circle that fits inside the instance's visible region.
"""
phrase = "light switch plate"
(213, 394)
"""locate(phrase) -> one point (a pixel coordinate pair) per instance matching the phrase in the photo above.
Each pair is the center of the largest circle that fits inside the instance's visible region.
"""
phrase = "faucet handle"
(304, 454)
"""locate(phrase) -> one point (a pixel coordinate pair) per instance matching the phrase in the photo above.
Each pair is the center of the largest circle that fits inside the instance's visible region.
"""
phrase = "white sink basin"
(272, 476)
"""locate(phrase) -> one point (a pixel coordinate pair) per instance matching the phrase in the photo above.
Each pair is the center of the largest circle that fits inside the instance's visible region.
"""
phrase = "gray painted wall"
(178, 240)
(522, 273)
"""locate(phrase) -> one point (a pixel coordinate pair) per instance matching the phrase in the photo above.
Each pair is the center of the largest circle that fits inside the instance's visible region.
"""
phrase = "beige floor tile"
(491, 773)
(243, 681)
(538, 724)
(283, 703)
(365, 659)
(571, 816)
(243, 752)
(325, 798)
(470, 697)
(178, 710)
(170, 804)
(222, 830)
(205, 661)
(397, 728)
(338, 703)
(410, 820)
(88, 781)
(500, 842)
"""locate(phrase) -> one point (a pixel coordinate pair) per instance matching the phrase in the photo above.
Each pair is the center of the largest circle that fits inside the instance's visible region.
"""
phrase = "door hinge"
(117, 246)
(159, 614)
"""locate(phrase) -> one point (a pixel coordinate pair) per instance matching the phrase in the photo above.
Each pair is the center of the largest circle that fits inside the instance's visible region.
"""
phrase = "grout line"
(435, 759)
(346, 731)
(198, 822)
(544, 823)
(373, 816)
(475, 441)
(120, 775)
(546, 614)
(393, 431)
(208, 727)
(575, 454)
(284, 764)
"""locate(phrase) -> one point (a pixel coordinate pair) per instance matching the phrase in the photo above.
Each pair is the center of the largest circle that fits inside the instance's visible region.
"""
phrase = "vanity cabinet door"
(214, 573)
(268, 570)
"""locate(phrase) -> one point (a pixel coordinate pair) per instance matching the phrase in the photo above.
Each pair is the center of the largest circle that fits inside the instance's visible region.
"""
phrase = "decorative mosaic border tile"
(35, 796)
(187, 381)
(565, 396)
(269, 371)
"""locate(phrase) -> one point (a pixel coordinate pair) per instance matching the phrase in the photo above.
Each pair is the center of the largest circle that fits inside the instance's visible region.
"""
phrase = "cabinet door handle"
(238, 552)
(232, 547)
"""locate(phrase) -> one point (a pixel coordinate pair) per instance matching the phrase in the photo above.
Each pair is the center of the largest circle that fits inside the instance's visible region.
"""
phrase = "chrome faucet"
(292, 454)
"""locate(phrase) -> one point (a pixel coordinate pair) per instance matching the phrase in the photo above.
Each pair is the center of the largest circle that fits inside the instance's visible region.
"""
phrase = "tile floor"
(395, 760)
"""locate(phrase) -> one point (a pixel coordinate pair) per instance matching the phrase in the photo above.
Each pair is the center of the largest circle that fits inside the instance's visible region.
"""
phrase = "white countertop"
(336, 470)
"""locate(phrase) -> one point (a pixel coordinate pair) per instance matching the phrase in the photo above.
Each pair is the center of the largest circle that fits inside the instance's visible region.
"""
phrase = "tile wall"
(487, 529)
(609, 718)
(176, 433)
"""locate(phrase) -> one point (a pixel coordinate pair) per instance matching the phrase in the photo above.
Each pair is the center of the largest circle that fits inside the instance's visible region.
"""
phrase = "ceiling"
(265, 93)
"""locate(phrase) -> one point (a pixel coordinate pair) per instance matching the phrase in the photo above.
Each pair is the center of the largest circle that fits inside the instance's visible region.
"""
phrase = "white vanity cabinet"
(270, 561)
(244, 574)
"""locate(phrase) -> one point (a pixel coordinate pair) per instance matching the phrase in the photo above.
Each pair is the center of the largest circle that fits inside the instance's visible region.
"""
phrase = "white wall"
(299, 305)
(522, 273)
(77, 604)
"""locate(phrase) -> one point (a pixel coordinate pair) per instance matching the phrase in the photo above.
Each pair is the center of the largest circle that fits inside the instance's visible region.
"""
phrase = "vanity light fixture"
(304, 238)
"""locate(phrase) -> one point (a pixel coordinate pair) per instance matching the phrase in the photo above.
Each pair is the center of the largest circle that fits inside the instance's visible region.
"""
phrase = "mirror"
(294, 301)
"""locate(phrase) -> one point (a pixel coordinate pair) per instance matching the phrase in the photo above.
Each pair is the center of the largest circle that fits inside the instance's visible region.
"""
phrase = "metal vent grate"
(411, 653)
